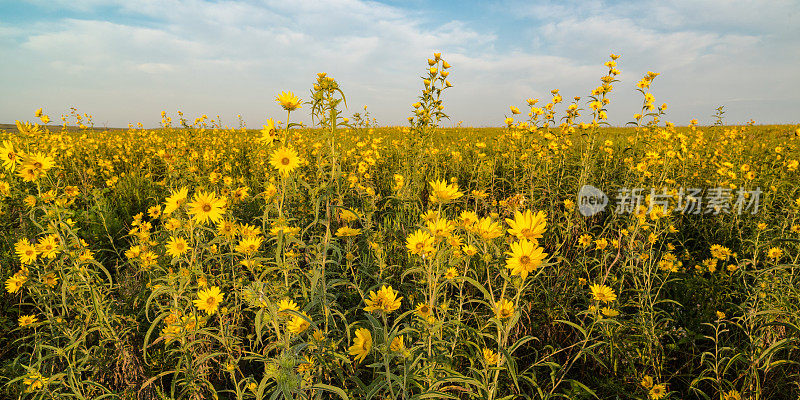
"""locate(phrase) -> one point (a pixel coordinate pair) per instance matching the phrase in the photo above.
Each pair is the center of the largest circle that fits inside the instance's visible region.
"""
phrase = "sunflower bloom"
(490, 357)
(25, 251)
(269, 133)
(526, 257)
(287, 304)
(249, 245)
(398, 344)
(48, 246)
(362, 344)
(207, 207)
(603, 293)
(441, 227)
(468, 218)
(609, 312)
(26, 320)
(298, 324)
(423, 310)
(488, 229)
(385, 299)
(289, 101)
(35, 381)
(504, 308)
(347, 231)
(37, 163)
(227, 228)
(775, 253)
(177, 246)
(285, 160)
(15, 282)
(51, 280)
(658, 391)
(209, 300)
(420, 243)
(528, 225)
(732, 395)
(441, 192)
(8, 156)
(176, 200)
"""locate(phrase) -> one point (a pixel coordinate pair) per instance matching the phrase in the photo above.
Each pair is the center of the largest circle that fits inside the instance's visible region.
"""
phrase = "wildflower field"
(345, 260)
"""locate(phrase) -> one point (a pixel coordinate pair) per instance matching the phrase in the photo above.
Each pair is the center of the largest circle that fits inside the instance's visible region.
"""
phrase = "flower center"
(524, 260)
(285, 161)
(206, 207)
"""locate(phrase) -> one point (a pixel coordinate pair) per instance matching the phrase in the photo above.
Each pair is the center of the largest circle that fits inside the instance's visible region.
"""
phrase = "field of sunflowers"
(349, 261)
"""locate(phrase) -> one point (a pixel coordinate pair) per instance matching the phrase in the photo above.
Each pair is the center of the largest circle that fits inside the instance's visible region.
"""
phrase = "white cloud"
(231, 57)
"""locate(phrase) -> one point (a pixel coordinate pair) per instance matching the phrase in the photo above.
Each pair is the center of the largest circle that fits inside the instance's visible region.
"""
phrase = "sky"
(124, 61)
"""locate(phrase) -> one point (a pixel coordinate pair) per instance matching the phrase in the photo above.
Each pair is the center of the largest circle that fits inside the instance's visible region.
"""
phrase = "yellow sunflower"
(227, 228)
(526, 257)
(441, 192)
(285, 160)
(441, 227)
(488, 229)
(289, 101)
(528, 225)
(347, 231)
(385, 299)
(8, 156)
(35, 381)
(658, 391)
(209, 300)
(419, 243)
(423, 310)
(775, 253)
(504, 308)
(25, 251)
(287, 304)
(37, 163)
(206, 206)
(177, 246)
(48, 246)
(249, 245)
(50, 280)
(15, 282)
(490, 357)
(362, 344)
(176, 200)
(26, 320)
(297, 324)
(603, 293)
(732, 395)
(269, 133)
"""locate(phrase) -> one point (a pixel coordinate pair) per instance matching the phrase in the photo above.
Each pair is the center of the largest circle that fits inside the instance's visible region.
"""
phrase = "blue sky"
(124, 61)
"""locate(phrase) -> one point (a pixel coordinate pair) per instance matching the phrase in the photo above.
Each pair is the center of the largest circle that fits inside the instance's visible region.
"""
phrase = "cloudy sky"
(125, 61)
